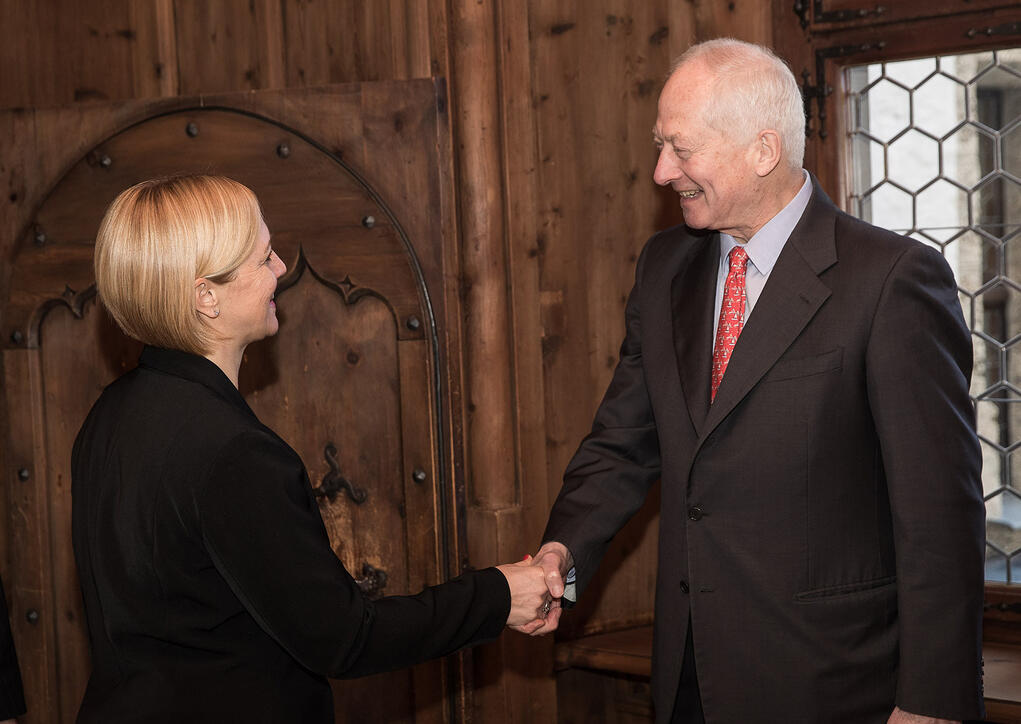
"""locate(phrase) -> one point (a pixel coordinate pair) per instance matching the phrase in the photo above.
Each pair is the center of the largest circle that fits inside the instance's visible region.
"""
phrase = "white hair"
(752, 90)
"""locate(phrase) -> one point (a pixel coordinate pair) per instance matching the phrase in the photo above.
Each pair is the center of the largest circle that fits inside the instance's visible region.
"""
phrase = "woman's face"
(247, 310)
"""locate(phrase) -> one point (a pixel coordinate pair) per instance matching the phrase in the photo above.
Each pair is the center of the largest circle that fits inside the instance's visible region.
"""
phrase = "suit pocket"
(832, 593)
(788, 369)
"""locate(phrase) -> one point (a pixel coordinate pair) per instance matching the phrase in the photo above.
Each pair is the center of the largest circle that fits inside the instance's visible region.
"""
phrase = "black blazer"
(822, 521)
(211, 591)
(12, 697)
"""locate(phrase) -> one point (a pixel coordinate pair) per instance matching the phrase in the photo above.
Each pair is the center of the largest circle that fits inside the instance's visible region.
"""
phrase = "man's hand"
(529, 595)
(555, 561)
(899, 716)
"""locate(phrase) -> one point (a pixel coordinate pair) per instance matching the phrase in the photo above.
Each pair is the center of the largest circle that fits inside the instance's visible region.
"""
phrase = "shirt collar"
(194, 368)
(765, 246)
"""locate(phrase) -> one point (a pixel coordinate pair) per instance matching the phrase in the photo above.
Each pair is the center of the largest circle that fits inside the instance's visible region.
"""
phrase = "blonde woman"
(203, 604)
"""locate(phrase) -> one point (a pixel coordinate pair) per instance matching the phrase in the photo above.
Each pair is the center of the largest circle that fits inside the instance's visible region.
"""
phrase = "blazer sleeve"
(609, 476)
(919, 361)
(12, 697)
(262, 528)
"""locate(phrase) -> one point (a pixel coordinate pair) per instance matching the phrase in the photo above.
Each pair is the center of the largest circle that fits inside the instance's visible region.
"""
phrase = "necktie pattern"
(731, 315)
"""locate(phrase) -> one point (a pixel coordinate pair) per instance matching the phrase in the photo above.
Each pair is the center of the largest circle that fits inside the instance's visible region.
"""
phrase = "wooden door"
(352, 381)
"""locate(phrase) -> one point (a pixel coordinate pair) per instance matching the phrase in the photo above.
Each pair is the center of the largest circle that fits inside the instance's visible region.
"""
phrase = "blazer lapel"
(788, 302)
(692, 300)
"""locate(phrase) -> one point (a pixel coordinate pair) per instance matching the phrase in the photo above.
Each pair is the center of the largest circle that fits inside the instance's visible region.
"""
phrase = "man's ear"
(206, 301)
(768, 150)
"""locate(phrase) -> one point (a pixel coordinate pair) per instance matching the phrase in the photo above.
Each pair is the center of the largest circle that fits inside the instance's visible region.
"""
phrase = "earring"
(216, 312)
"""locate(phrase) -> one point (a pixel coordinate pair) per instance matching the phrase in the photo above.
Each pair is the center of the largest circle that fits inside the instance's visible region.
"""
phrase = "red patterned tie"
(731, 315)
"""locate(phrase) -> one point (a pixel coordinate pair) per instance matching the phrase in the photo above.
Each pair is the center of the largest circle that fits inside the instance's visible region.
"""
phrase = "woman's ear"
(206, 302)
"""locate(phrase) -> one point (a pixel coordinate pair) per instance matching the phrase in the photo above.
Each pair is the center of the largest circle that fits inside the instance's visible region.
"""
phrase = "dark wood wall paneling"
(552, 105)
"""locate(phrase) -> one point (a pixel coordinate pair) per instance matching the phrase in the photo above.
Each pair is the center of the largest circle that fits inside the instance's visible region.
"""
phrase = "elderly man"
(798, 379)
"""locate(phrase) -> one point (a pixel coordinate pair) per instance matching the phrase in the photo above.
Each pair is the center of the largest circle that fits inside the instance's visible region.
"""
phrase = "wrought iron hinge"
(821, 89)
(333, 482)
(1005, 29)
(832, 16)
(373, 581)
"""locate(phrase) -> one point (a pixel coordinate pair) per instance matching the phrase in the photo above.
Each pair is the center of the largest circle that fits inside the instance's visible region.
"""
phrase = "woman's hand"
(531, 603)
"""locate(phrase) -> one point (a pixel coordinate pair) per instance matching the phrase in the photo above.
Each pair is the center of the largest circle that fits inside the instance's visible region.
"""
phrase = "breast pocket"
(789, 369)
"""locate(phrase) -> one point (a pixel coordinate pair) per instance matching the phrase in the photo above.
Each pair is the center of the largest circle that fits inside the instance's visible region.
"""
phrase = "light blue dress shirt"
(763, 250)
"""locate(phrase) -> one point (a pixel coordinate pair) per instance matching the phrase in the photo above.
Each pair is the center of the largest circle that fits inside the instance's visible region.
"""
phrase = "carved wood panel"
(826, 14)
(351, 381)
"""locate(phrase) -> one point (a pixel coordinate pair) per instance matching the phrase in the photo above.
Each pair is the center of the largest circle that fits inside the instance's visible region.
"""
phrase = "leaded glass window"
(935, 151)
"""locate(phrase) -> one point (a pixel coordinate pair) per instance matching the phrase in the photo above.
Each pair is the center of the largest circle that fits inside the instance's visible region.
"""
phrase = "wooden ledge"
(629, 652)
(1002, 682)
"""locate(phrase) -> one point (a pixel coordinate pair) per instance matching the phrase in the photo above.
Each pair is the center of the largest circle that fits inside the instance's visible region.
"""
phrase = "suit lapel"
(692, 299)
(788, 302)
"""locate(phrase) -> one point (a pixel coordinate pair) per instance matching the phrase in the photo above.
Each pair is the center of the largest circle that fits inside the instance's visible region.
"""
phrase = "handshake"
(537, 587)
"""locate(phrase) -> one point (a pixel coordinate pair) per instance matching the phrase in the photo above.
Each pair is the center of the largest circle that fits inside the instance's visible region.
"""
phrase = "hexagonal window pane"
(987, 372)
(975, 259)
(968, 155)
(1008, 401)
(910, 72)
(989, 413)
(888, 207)
(994, 301)
(1005, 507)
(938, 105)
(996, 563)
(996, 196)
(994, 409)
(994, 466)
(914, 160)
(941, 206)
(966, 66)
(1009, 56)
(1010, 144)
(882, 111)
(985, 92)
(860, 76)
(938, 239)
(869, 162)
(967, 307)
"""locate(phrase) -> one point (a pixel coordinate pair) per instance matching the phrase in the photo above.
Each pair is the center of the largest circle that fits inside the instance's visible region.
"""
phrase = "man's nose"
(665, 170)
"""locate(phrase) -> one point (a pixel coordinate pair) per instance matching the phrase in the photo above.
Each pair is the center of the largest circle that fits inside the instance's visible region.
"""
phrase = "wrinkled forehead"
(681, 106)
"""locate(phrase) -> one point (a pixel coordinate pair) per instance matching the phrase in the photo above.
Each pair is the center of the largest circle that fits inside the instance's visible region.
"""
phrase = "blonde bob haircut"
(157, 238)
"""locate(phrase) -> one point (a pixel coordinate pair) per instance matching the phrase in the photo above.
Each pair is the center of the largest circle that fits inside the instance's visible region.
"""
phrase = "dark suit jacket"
(211, 591)
(12, 698)
(822, 521)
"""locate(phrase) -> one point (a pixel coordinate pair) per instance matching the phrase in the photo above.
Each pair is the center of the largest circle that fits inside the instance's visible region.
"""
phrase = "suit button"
(694, 513)
(684, 586)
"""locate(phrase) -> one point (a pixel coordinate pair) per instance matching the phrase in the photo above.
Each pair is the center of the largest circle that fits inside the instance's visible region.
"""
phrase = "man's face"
(714, 176)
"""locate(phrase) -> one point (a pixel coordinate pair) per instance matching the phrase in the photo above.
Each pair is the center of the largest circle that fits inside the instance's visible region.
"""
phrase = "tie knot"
(738, 257)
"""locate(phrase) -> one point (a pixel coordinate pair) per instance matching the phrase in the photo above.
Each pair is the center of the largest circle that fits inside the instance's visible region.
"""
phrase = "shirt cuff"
(570, 589)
